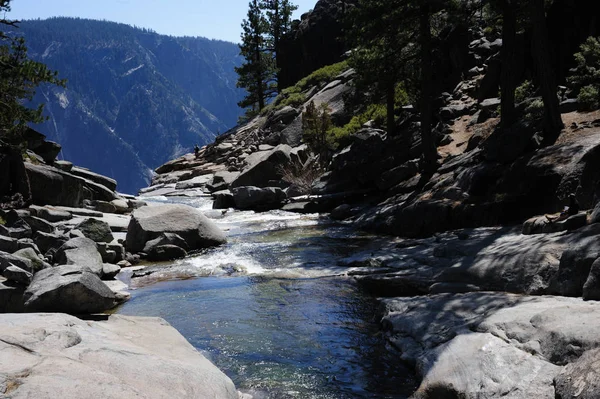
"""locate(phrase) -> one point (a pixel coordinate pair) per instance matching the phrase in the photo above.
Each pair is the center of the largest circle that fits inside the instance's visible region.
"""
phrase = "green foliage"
(524, 91)
(258, 73)
(2, 221)
(267, 22)
(19, 78)
(587, 71)
(589, 97)
(585, 79)
(535, 110)
(316, 123)
(375, 112)
(295, 95)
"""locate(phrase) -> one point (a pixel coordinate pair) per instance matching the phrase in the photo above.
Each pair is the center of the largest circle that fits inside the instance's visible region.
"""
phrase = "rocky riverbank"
(65, 234)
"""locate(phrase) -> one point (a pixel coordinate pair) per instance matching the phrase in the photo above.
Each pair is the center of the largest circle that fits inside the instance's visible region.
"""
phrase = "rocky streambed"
(300, 306)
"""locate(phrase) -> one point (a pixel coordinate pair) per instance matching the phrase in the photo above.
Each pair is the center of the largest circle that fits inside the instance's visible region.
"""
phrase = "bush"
(585, 78)
(524, 91)
(589, 97)
(294, 95)
(302, 176)
(316, 123)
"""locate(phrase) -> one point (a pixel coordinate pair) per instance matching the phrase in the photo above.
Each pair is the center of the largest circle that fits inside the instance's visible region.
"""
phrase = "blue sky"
(215, 19)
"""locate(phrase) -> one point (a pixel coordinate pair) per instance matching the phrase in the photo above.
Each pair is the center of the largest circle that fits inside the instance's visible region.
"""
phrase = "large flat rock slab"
(490, 344)
(60, 356)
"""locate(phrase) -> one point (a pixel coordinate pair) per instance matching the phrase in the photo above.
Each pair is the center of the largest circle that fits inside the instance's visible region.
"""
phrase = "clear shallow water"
(270, 311)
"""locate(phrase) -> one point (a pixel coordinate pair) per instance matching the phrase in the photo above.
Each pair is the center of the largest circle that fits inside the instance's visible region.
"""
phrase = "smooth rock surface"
(121, 357)
(580, 379)
(68, 289)
(150, 222)
(96, 230)
(80, 251)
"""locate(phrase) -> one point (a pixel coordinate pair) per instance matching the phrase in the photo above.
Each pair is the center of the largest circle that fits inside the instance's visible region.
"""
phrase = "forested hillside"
(134, 99)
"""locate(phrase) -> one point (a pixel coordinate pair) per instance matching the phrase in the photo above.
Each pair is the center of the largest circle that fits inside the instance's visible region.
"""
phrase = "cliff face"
(317, 40)
(134, 99)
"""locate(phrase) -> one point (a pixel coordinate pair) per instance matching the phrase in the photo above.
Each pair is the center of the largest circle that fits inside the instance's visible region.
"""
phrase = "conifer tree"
(257, 73)
(279, 18)
(19, 77)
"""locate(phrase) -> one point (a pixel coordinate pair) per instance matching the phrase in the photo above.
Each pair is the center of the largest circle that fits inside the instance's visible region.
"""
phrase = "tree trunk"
(545, 75)
(429, 149)
(390, 102)
(260, 93)
(507, 83)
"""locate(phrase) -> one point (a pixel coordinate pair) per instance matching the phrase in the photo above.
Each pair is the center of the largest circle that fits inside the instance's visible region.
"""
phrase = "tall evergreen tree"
(258, 73)
(19, 77)
(553, 123)
(279, 18)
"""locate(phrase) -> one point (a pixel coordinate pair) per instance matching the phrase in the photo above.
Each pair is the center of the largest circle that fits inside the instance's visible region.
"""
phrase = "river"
(274, 310)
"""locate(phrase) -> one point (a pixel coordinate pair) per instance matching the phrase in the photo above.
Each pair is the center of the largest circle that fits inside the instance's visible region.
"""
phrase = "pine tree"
(19, 78)
(257, 73)
(279, 18)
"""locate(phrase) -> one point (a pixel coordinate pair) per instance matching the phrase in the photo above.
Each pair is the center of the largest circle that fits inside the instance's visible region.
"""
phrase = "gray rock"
(196, 182)
(258, 199)
(118, 249)
(150, 222)
(7, 259)
(28, 243)
(8, 244)
(574, 269)
(82, 252)
(11, 299)
(222, 180)
(119, 357)
(596, 214)
(121, 206)
(53, 215)
(281, 118)
(591, 288)
(51, 186)
(68, 289)
(166, 252)
(580, 379)
(18, 275)
(292, 134)
(107, 182)
(569, 105)
(135, 204)
(96, 230)
(38, 224)
(110, 271)
(490, 104)
(105, 207)
(46, 241)
(30, 254)
(165, 239)
(223, 200)
(469, 367)
(264, 167)
(65, 166)
(17, 229)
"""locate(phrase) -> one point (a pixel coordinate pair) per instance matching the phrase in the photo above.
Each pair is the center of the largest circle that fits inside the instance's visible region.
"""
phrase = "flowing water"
(273, 310)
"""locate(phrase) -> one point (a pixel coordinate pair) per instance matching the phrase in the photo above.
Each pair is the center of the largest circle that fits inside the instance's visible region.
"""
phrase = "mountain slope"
(134, 99)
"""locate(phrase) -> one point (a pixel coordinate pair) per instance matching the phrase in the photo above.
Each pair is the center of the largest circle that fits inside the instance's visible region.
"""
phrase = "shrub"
(589, 97)
(524, 91)
(375, 112)
(294, 95)
(316, 123)
(302, 176)
(585, 78)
